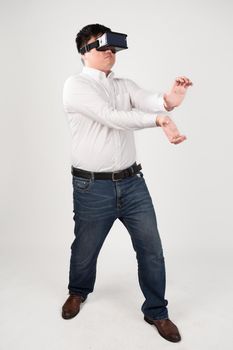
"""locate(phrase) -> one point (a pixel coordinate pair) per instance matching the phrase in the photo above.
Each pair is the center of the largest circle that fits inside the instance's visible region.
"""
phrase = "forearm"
(145, 100)
(166, 106)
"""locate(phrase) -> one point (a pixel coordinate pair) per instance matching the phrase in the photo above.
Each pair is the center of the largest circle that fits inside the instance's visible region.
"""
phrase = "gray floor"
(34, 289)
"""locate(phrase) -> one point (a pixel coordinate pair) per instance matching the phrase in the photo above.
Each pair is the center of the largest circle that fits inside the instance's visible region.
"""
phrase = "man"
(103, 111)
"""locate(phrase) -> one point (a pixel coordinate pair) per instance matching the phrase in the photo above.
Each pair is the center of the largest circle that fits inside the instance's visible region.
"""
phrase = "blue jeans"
(97, 204)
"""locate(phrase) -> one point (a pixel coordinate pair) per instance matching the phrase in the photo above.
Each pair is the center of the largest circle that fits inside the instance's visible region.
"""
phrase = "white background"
(190, 183)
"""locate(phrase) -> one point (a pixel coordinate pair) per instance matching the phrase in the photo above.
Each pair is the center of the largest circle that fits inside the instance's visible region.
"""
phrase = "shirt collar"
(97, 74)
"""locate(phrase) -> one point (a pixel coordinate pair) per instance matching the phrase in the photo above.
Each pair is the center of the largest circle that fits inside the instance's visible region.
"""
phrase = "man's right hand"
(170, 129)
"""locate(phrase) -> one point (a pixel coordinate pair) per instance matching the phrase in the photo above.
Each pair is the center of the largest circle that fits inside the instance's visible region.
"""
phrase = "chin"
(108, 68)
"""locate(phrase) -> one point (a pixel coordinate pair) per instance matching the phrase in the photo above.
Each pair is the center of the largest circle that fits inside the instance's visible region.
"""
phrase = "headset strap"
(88, 47)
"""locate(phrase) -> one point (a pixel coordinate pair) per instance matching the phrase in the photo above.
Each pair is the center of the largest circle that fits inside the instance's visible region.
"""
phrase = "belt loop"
(92, 175)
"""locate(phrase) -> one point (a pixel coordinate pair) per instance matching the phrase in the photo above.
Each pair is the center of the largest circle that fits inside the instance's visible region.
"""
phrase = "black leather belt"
(115, 175)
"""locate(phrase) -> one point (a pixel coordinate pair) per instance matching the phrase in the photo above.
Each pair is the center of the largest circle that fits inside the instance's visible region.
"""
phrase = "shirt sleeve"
(145, 100)
(81, 97)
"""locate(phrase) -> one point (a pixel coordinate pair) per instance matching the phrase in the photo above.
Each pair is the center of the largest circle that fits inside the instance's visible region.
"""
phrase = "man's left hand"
(176, 95)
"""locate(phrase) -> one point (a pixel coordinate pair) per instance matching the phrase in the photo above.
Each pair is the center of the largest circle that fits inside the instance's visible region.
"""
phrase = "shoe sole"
(69, 317)
(147, 320)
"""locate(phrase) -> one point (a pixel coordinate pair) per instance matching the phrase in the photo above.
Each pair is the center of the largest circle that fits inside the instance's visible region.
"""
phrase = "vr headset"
(109, 40)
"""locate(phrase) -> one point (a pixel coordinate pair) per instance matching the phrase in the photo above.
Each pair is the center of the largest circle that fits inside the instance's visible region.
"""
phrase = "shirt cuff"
(149, 120)
(161, 103)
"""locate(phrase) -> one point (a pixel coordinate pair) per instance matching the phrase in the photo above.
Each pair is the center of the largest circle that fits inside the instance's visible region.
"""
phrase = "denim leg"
(93, 216)
(89, 238)
(140, 220)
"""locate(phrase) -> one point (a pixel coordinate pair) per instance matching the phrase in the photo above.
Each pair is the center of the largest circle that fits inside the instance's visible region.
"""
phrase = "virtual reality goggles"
(109, 40)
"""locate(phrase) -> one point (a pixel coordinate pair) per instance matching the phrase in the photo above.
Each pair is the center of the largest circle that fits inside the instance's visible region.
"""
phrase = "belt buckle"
(115, 172)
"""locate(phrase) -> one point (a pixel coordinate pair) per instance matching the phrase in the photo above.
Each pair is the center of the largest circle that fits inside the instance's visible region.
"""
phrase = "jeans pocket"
(81, 184)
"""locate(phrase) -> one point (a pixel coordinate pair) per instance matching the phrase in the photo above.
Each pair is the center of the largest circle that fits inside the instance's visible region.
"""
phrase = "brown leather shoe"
(166, 328)
(72, 306)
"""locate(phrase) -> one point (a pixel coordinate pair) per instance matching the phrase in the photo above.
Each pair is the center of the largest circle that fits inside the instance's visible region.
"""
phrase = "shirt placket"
(109, 86)
(117, 132)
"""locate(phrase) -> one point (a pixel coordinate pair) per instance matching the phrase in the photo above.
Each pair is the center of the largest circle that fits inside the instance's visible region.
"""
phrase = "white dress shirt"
(103, 112)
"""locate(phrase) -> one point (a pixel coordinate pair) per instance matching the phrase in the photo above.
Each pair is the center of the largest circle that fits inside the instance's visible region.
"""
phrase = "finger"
(180, 79)
(174, 139)
(179, 139)
(184, 80)
(176, 136)
(188, 82)
(177, 142)
(181, 83)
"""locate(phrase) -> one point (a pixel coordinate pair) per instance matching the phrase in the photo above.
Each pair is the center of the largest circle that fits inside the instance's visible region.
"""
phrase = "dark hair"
(87, 32)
